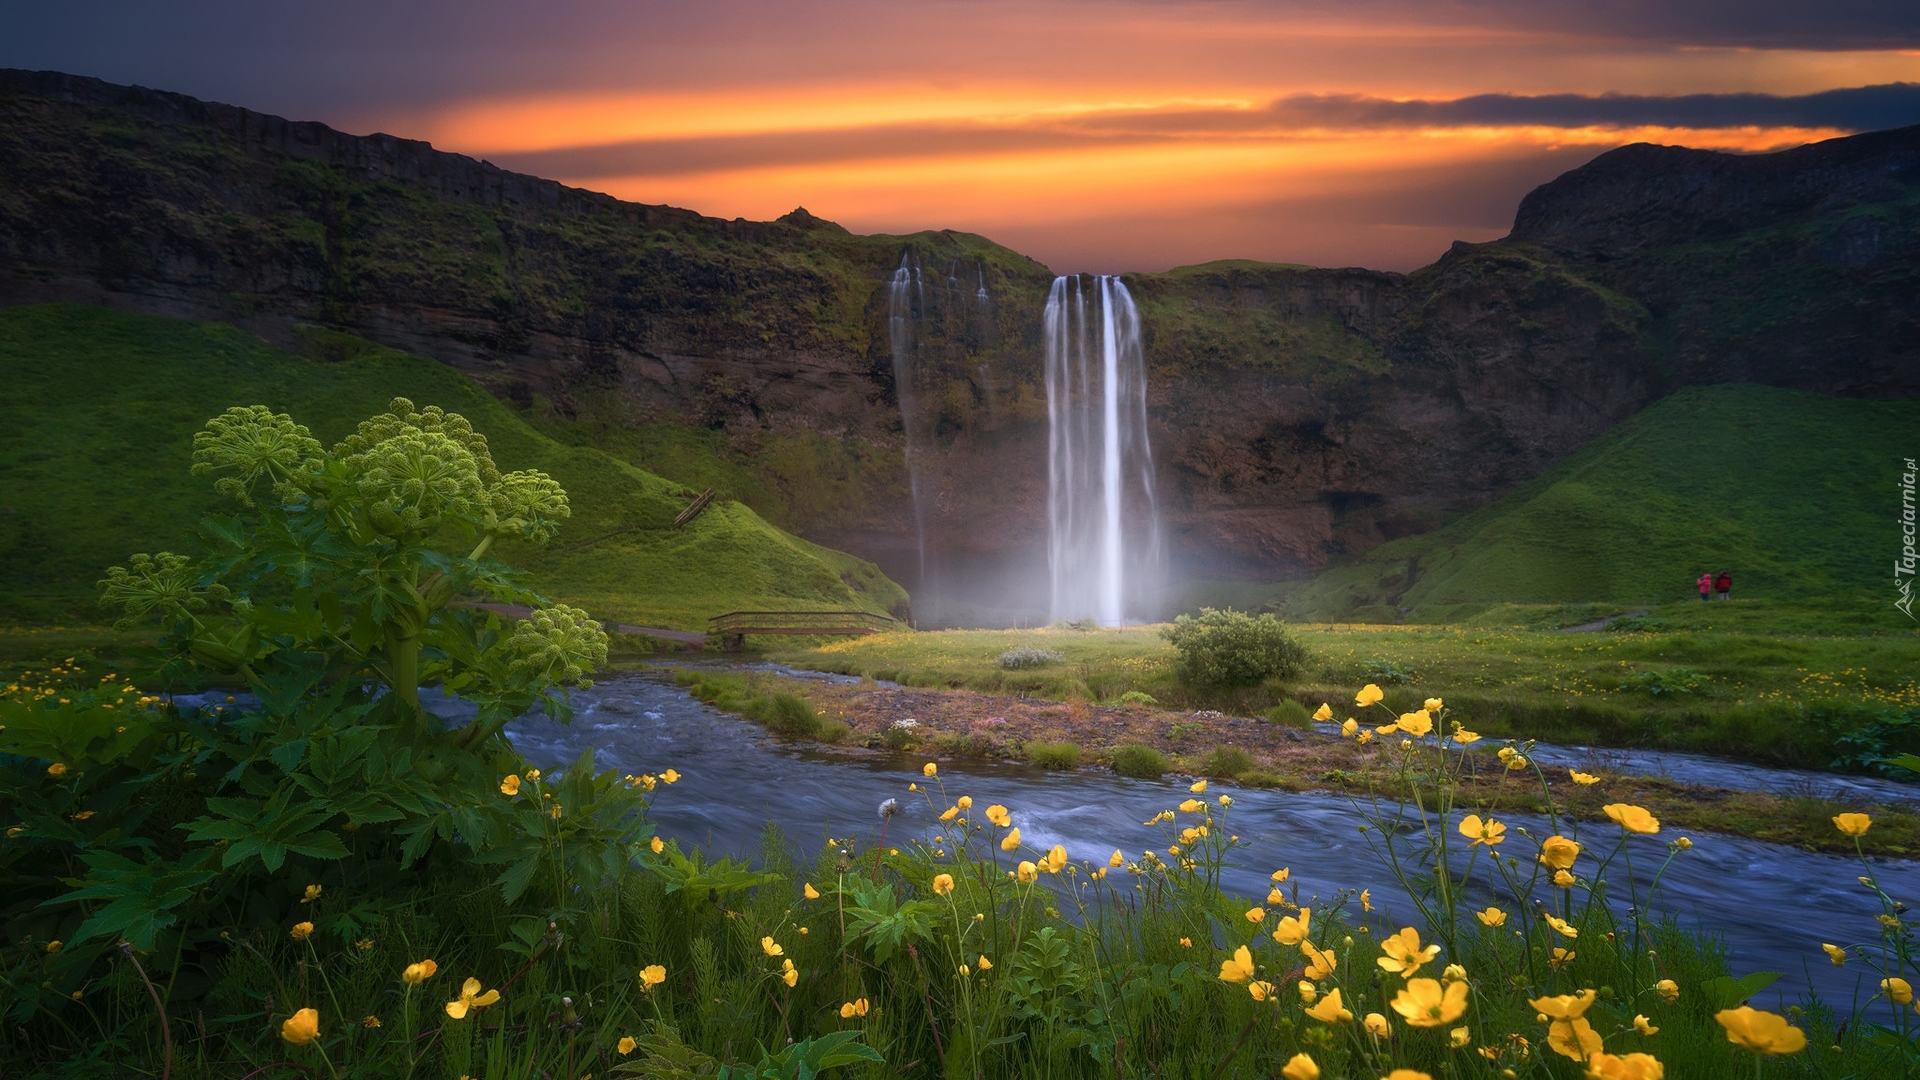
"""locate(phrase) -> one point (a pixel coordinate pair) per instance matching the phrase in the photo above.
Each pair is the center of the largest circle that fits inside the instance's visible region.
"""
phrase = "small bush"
(902, 734)
(1139, 762)
(1225, 762)
(1054, 755)
(1232, 648)
(1260, 778)
(1385, 671)
(1136, 697)
(1027, 656)
(1290, 713)
(832, 731)
(787, 713)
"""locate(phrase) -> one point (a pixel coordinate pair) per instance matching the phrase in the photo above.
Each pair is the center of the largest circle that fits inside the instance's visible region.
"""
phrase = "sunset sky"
(1091, 134)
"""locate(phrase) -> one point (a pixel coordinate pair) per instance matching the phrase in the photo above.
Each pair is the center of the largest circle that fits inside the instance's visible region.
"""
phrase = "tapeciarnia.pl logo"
(1904, 566)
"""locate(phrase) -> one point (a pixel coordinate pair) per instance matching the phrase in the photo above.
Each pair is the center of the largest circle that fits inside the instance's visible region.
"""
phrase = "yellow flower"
(1238, 967)
(1329, 1010)
(1300, 1066)
(1292, 931)
(1256, 915)
(1416, 723)
(996, 814)
(1011, 841)
(1387, 729)
(1632, 818)
(1347, 729)
(1563, 879)
(965, 971)
(511, 785)
(1459, 1037)
(1319, 964)
(1559, 852)
(1898, 990)
(1836, 954)
(1186, 943)
(1425, 1003)
(54, 946)
(1636, 1066)
(770, 946)
(1363, 738)
(625, 1045)
(1192, 806)
(1851, 824)
(1260, 990)
(1564, 1006)
(1199, 787)
(1487, 832)
(929, 769)
(301, 931)
(1573, 1038)
(1366, 900)
(313, 893)
(1377, 1025)
(1308, 992)
(658, 845)
(59, 769)
(1644, 1026)
(942, 885)
(851, 1009)
(1764, 1032)
(965, 802)
(1668, 989)
(1463, 737)
(1560, 958)
(419, 973)
(1454, 973)
(1027, 872)
(1562, 927)
(1117, 859)
(471, 998)
(1280, 875)
(952, 812)
(807, 890)
(1407, 1074)
(985, 964)
(1433, 704)
(1324, 712)
(1516, 763)
(369, 1021)
(670, 777)
(533, 776)
(302, 1027)
(1368, 695)
(1404, 954)
(789, 974)
(1583, 779)
(651, 976)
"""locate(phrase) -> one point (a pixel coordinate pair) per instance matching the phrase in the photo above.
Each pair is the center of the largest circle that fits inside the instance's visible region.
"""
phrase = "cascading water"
(900, 327)
(1103, 528)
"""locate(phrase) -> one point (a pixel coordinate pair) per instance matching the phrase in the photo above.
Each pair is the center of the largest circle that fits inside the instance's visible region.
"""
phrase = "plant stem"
(166, 1030)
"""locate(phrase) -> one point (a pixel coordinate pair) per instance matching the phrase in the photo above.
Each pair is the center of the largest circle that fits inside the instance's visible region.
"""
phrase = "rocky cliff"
(1297, 413)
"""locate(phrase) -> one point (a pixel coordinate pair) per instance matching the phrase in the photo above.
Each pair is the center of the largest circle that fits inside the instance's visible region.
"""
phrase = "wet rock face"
(1296, 414)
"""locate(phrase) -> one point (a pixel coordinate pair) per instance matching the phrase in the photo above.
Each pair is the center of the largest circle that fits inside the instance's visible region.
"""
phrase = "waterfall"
(1103, 530)
(907, 282)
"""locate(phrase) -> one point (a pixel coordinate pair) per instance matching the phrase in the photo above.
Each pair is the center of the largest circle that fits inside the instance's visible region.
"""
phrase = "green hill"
(1793, 493)
(96, 431)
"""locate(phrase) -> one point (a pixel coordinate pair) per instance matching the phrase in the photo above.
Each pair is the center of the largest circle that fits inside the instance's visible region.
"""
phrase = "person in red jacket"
(1724, 585)
(1706, 585)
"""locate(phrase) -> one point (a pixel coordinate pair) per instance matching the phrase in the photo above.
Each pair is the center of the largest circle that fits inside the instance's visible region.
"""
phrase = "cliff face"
(1295, 413)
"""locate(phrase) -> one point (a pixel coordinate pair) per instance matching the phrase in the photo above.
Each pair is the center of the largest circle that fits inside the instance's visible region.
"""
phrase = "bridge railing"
(734, 626)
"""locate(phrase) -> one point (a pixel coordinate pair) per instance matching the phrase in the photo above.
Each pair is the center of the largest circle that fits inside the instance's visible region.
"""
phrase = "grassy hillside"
(1793, 493)
(96, 432)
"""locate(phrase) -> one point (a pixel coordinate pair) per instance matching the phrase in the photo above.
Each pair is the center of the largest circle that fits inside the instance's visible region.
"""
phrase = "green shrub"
(1136, 697)
(1225, 762)
(1290, 713)
(785, 713)
(1259, 778)
(832, 731)
(1231, 648)
(1140, 762)
(1027, 656)
(1054, 755)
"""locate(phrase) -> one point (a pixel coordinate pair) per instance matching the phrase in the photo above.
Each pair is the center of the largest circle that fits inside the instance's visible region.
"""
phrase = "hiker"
(1724, 585)
(1706, 585)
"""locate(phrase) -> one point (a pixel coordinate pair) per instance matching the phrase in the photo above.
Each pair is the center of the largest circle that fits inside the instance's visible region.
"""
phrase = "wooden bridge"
(733, 627)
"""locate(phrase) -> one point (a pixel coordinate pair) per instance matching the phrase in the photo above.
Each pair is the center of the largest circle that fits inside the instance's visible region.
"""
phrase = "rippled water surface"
(1773, 905)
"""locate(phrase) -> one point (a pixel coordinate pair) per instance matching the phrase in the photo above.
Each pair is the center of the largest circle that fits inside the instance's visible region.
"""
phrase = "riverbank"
(965, 724)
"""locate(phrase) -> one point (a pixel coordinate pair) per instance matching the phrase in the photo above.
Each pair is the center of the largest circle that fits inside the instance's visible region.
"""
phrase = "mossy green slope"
(96, 434)
(1793, 493)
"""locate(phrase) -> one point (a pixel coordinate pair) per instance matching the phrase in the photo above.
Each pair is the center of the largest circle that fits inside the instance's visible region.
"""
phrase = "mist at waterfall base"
(1099, 553)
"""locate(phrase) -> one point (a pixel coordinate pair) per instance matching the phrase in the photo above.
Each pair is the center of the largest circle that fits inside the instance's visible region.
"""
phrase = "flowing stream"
(1772, 905)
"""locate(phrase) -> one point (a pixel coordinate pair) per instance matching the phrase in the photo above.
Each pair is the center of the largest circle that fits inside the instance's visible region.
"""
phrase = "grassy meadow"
(1732, 689)
(98, 426)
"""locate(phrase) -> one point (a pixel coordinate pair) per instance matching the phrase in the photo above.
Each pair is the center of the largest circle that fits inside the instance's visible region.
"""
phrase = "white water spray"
(900, 298)
(1103, 528)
